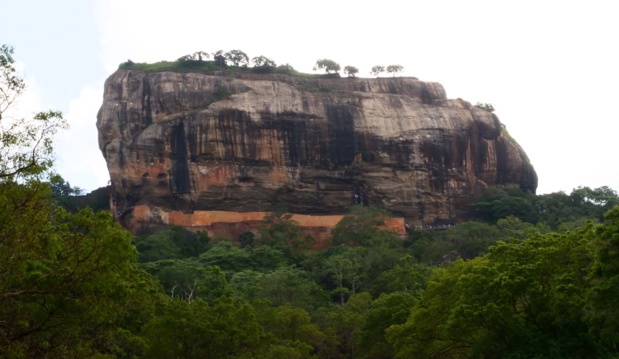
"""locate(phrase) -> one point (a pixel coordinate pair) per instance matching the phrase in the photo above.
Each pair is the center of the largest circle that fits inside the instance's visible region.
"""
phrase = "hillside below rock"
(186, 142)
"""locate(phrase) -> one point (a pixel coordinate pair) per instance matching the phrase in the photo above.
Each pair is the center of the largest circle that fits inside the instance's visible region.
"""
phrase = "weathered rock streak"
(186, 142)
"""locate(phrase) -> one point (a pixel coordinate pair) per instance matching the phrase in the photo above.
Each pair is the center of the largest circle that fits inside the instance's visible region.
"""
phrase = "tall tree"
(351, 71)
(387, 310)
(345, 271)
(25, 143)
(69, 283)
(328, 65)
(292, 332)
(394, 69)
(237, 58)
(377, 70)
(220, 58)
(346, 321)
(62, 188)
(263, 61)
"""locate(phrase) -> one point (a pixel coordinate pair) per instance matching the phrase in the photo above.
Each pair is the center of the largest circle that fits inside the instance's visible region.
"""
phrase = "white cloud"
(78, 158)
(29, 101)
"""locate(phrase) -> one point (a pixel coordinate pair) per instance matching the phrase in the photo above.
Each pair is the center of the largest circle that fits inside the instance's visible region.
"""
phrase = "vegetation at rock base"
(477, 289)
(527, 276)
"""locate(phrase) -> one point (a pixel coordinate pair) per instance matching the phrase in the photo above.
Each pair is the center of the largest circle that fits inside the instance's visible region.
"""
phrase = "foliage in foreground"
(522, 299)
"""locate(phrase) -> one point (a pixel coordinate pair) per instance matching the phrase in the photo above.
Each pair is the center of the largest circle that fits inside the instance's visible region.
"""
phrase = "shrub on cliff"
(394, 69)
(485, 106)
(377, 70)
(237, 58)
(351, 71)
(263, 64)
(328, 65)
(285, 69)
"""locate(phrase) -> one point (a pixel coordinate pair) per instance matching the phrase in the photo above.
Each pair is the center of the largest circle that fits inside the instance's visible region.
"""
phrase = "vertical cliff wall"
(187, 143)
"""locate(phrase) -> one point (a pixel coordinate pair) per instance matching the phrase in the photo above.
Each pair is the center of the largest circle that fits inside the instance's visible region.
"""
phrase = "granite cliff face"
(182, 145)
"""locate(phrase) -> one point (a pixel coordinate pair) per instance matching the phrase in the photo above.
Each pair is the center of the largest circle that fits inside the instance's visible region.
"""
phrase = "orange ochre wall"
(231, 224)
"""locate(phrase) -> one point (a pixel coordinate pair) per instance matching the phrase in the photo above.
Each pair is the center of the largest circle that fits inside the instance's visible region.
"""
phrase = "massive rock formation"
(182, 144)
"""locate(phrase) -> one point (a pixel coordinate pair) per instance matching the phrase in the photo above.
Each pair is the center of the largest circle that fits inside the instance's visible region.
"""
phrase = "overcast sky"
(550, 68)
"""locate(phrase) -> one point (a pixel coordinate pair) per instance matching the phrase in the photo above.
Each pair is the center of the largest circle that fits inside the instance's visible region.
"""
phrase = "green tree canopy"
(171, 243)
(603, 299)
(387, 310)
(362, 227)
(279, 230)
(223, 329)
(227, 256)
(71, 279)
(61, 188)
(345, 272)
(292, 332)
(496, 204)
(69, 283)
(523, 299)
(287, 285)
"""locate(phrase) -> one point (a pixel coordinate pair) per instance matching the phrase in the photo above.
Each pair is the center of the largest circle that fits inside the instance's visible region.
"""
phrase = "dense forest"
(526, 276)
